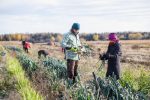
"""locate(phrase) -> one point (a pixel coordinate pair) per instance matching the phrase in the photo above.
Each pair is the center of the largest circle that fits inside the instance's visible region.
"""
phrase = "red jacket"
(27, 45)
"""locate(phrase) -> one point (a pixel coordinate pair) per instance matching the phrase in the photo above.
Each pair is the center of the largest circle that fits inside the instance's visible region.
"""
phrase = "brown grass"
(138, 55)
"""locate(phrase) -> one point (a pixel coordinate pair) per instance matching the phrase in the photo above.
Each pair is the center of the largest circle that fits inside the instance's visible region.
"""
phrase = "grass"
(138, 79)
(23, 84)
(7, 83)
(28, 64)
(1, 53)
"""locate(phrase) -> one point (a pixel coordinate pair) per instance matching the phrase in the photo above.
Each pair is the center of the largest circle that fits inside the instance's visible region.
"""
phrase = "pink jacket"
(27, 45)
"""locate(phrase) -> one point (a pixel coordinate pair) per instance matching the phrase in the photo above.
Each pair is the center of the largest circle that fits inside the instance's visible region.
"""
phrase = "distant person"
(113, 55)
(26, 46)
(71, 44)
(42, 52)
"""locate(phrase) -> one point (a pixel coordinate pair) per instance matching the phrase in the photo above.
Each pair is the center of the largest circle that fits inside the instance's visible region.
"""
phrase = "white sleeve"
(65, 40)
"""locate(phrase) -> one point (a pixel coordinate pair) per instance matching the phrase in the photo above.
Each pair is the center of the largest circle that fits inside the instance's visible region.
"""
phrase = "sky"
(59, 15)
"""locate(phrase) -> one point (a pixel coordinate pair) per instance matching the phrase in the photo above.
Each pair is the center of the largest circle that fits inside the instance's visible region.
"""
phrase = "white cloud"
(32, 2)
(58, 15)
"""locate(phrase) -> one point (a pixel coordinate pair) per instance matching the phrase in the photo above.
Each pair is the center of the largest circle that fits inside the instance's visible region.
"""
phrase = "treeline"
(121, 35)
(34, 38)
(57, 37)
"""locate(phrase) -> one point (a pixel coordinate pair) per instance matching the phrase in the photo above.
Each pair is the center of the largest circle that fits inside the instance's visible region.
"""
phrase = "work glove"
(68, 48)
(74, 49)
(103, 56)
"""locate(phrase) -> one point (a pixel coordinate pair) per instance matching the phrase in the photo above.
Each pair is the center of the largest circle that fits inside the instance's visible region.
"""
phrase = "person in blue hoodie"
(71, 44)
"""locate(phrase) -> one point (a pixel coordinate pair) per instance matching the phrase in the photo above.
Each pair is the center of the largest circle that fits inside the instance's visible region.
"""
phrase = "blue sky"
(58, 15)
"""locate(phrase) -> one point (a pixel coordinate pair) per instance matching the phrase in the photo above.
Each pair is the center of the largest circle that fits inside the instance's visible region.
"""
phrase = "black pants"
(25, 49)
(72, 66)
(112, 74)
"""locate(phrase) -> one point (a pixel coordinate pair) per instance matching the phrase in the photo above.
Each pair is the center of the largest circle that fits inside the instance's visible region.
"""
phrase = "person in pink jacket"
(26, 46)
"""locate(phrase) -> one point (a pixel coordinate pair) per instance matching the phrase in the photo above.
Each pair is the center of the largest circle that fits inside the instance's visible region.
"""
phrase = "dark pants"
(72, 66)
(25, 49)
(112, 74)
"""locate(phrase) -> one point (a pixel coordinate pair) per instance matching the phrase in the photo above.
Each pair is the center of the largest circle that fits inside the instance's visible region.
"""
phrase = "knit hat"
(113, 37)
(76, 26)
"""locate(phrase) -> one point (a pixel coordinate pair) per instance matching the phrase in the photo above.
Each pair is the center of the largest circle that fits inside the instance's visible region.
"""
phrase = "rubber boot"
(74, 80)
(70, 82)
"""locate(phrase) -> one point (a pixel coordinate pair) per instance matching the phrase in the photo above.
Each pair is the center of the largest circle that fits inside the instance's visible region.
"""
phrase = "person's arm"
(29, 45)
(103, 56)
(79, 42)
(117, 52)
(64, 42)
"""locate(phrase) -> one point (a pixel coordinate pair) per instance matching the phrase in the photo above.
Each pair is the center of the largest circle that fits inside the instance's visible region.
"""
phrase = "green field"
(25, 77)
